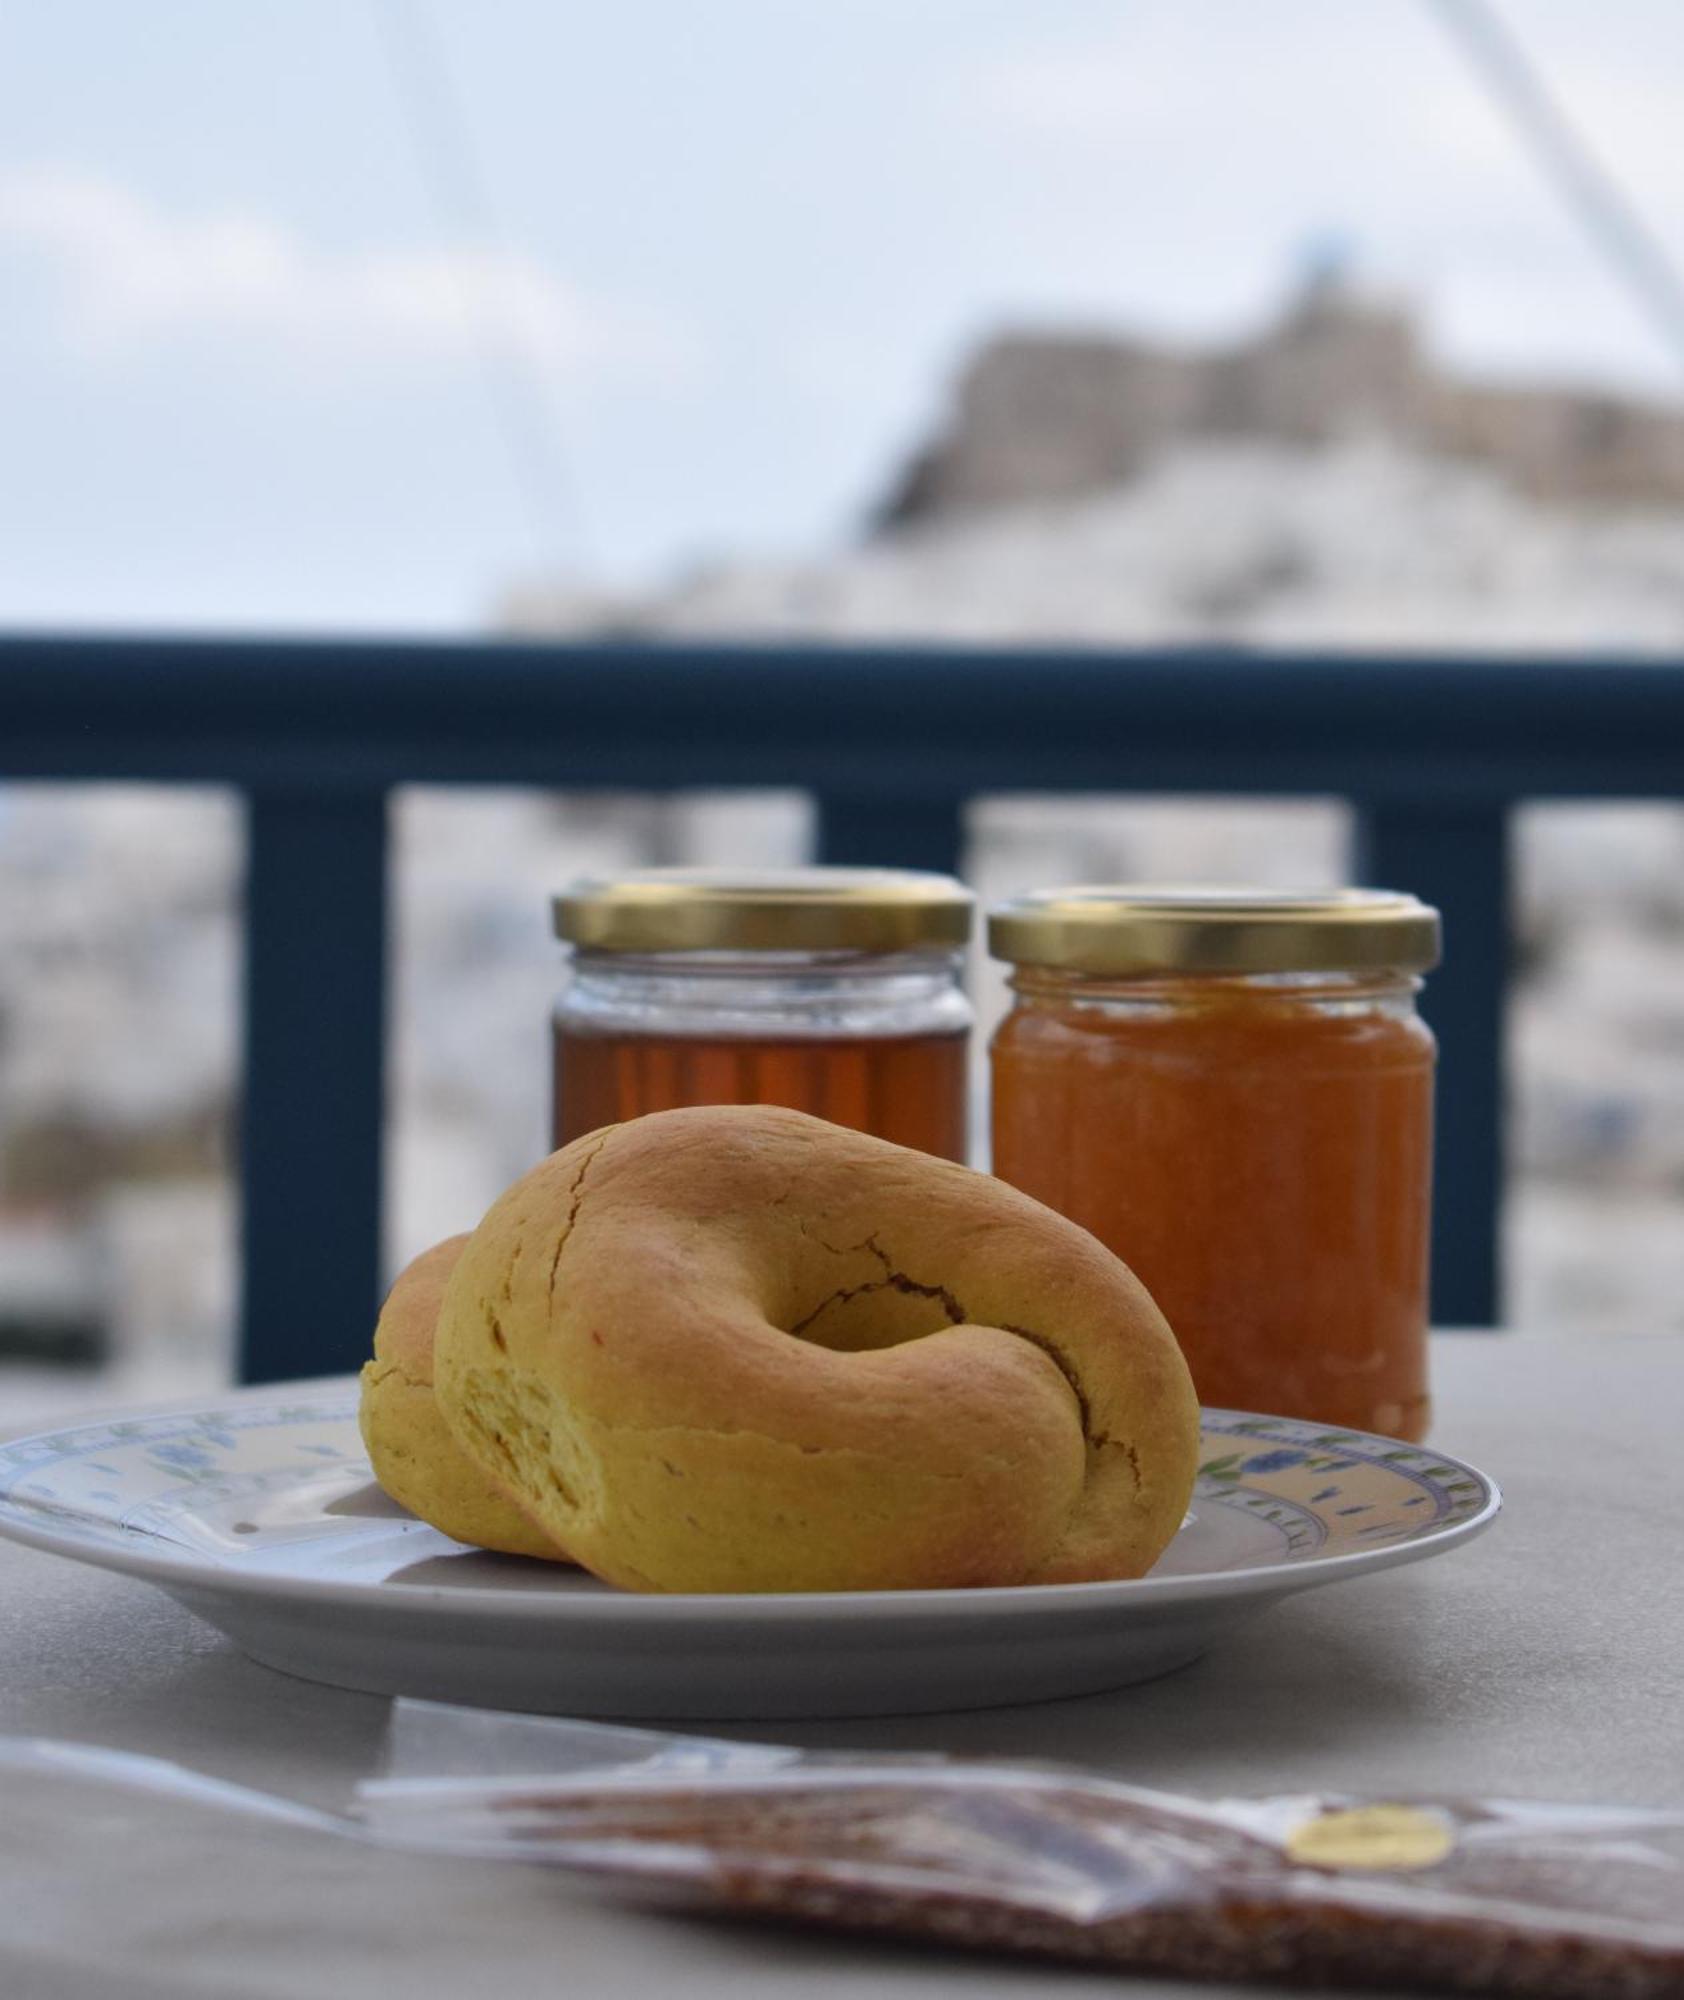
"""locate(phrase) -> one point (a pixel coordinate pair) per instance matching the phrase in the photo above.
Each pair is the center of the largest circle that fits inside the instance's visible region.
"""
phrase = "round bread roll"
(740, 1349)
(415, 1458)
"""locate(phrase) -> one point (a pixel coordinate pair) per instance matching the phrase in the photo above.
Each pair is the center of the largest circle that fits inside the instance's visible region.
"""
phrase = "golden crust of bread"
(740, 1349)
(415, 1458)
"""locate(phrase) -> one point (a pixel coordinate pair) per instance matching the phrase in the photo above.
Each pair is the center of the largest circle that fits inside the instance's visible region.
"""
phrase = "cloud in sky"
(1282, 99)
(1301, 117)
(125, 272)
(1355, 86)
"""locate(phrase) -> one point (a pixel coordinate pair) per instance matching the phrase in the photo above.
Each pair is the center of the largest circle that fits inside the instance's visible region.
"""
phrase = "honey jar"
(1233, 1090)
(835, 991)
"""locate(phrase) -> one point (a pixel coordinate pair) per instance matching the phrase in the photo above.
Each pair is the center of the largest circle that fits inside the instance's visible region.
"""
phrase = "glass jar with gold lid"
(832, 990)
(1233, 1090)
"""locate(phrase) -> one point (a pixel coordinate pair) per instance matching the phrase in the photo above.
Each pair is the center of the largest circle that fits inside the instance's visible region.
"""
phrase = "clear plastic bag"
(1488, 1896)
(1455, 1896)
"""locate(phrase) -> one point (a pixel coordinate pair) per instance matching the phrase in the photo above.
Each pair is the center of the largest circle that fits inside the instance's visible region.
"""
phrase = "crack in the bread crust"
(1128, 1451)
(1055, 1354)
(509, 1274)
(891, 1281)
(812, 1236)
(575, 1199)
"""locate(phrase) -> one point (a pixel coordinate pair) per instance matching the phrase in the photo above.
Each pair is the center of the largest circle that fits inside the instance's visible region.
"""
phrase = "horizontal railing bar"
(866, 723)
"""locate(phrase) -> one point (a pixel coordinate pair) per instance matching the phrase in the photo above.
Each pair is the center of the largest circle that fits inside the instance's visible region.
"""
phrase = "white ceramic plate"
(257, 1511)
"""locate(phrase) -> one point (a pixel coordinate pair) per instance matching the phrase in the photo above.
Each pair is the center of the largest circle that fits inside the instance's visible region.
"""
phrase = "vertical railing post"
(313, 1097)
(1457, 858)
(903, 832)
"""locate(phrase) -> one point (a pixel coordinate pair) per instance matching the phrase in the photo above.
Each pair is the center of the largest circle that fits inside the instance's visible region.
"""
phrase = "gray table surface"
(1541, 1661)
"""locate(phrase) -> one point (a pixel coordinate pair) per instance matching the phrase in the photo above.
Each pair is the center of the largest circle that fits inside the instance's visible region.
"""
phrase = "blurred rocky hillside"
(1051, 417)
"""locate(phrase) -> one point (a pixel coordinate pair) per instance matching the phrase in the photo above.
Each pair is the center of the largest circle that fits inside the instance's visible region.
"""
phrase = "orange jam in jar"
(1233, 1091)
(831, 990)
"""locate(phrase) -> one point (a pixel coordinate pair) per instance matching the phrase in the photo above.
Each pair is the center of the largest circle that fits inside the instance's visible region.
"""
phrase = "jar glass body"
(875, 1041)
(1259, 1150)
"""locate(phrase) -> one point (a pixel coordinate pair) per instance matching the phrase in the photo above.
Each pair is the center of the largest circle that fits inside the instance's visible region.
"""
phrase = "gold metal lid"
(1137, 932)
(795, 909)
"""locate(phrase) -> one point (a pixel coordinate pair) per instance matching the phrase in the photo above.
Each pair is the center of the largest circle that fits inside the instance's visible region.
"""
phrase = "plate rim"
(184, 1572)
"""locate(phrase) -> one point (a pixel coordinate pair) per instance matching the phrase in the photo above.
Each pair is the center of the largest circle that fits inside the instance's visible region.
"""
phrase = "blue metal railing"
(1432, 753)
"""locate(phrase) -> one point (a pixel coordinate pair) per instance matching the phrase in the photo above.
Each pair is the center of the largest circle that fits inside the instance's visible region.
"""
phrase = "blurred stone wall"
(1049, 416)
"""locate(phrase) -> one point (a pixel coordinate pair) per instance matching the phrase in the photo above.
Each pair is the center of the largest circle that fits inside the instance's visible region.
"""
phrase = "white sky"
(742, 247)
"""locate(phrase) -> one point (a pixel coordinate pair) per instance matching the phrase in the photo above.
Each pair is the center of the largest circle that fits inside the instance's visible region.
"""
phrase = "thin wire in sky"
(519, 401)
(1621, 236)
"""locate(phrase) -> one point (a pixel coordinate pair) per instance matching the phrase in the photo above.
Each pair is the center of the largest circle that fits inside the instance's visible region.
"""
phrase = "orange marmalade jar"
(831, 990)
(1233, 1090)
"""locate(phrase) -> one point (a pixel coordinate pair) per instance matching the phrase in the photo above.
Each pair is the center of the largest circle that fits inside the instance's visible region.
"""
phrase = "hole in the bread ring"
(874, 1305)
(892, 1307)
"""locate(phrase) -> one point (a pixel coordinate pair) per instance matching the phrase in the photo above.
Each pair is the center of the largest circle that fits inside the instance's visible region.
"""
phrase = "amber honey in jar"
(832, 990)
(1233, 1090)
